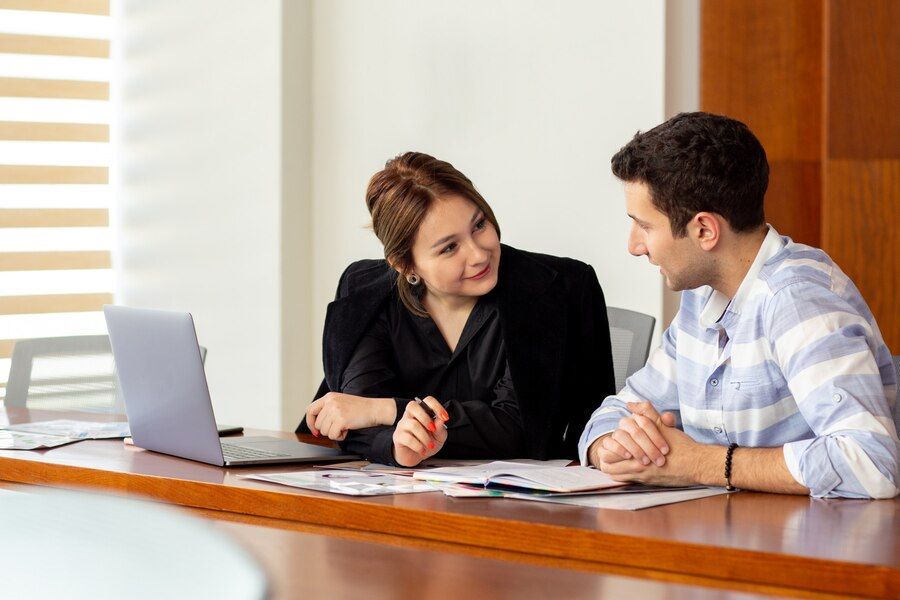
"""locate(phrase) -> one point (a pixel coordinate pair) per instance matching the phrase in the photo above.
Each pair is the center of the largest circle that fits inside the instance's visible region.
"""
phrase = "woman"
(509, 349)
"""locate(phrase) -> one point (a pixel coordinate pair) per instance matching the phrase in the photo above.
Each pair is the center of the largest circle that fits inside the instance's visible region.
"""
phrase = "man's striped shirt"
(795, 359)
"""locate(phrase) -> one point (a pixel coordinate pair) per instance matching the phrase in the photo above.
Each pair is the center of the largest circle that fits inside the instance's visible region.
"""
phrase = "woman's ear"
(395, 264)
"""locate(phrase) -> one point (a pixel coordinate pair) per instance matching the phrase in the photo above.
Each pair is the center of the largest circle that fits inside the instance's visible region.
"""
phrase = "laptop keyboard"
(232, 452)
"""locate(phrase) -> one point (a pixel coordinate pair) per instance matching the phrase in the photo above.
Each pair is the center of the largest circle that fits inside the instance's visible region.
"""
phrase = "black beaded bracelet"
(728, 456)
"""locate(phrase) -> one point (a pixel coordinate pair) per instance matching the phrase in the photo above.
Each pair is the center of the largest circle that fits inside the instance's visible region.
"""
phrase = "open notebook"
(529, 476)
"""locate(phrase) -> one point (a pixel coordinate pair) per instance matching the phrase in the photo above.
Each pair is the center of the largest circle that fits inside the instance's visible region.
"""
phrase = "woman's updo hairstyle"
(398, 198)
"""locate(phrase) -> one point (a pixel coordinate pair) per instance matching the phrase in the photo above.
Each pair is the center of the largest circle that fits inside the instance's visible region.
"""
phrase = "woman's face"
(457, 250)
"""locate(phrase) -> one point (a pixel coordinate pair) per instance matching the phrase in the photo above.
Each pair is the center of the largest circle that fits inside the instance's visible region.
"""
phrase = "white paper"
(432, 464)
(18, 440)
(76, 430)
(625, 501)
(346, 482)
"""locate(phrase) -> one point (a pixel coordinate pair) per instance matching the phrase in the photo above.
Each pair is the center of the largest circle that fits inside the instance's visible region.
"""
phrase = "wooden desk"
(756, 542)
(320, 566)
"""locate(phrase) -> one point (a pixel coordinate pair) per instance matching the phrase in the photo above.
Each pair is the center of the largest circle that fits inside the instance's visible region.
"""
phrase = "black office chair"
(66, 373)
(630, 333)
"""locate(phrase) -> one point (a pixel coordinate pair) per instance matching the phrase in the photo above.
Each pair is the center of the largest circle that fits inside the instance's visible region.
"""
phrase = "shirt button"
(718, 430)
(714, 382)
(837, 398)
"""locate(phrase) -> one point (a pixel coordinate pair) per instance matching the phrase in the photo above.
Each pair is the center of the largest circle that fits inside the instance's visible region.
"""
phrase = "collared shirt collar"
(718, 302)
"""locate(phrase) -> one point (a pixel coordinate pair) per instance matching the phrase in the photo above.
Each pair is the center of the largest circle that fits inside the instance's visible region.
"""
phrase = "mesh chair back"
(65, 373)
(897, 366)
(630, 333)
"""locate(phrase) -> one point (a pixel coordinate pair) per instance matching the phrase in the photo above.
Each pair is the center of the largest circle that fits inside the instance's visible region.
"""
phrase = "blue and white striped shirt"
(795, 359)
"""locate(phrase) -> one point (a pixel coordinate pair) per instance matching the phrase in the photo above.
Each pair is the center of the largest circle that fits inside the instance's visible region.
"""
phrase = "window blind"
(55, 241)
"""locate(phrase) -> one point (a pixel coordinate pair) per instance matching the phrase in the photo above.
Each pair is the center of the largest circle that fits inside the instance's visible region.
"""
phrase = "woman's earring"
(413, 279)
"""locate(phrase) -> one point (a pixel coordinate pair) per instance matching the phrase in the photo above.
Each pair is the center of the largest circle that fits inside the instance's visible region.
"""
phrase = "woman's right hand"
(334, 414)
(418, 436)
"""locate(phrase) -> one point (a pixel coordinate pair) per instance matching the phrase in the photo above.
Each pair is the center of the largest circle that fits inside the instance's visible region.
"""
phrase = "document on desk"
(625, 501)
(76, 430)
(434, 463)
(19, 440)
(534, 476)
(345, 482)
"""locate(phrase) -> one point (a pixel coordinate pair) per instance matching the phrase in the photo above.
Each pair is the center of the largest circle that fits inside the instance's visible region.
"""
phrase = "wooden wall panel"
(861, 219)
(861, 199)
(761, 62)
(863, 71)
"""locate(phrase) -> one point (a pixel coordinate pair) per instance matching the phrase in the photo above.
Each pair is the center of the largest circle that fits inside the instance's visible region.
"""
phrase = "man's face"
(680, 261)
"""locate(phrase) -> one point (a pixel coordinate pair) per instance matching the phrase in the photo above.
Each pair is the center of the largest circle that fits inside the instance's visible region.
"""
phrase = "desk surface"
(326, 566)
(835, 546)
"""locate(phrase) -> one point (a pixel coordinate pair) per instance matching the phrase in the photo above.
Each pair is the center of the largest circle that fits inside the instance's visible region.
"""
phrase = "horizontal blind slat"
(53, 132)
(52, 174)
(82, 7)
(53, 303)
(54, 217)
(21, 87)
(13, 43)
(55, 261)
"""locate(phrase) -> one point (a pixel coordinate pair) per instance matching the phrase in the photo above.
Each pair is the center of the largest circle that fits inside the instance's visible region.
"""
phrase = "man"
(773, 375)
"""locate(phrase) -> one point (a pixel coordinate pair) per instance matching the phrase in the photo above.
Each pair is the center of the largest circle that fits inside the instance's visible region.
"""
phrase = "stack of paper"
(50, 434)
(346, 482)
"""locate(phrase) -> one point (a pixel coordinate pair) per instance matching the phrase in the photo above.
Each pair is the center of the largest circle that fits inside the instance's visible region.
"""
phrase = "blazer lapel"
(534, 328)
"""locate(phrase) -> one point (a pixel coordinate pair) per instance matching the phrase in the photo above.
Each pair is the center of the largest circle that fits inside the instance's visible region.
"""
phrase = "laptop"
(167, 398)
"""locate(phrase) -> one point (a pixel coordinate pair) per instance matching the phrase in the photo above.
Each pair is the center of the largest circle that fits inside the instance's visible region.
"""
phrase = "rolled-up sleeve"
(842, 379)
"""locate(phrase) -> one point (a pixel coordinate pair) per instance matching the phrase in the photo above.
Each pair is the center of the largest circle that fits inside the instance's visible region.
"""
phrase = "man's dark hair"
(699, 162)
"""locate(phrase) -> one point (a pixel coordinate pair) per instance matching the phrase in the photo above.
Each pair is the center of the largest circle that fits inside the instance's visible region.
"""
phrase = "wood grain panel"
(761, 62)
(57, 46)
(51, 261)
(18, 87)
(53, 132)
(793, 200)
(85, 7)
(54, 217)
(863, 79)
(45, 174)
(53, 303)
(860, 231)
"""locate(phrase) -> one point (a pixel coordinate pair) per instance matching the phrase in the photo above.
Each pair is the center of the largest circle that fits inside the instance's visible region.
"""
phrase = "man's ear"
(705, 229)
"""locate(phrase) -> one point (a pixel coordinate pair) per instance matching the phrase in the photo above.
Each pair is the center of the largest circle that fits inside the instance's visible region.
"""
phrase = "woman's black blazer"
(555, 329)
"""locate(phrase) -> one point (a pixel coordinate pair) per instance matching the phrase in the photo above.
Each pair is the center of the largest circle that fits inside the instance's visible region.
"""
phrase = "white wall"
(199, 185)
(530, 99)
(247, 132)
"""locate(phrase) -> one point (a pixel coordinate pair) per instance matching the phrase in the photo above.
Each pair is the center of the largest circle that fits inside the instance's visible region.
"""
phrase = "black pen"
(427, 408)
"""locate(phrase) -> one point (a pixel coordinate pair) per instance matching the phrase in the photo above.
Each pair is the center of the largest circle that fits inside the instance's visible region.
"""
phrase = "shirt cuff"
(401, 408)
(382, 448)
(813, 468)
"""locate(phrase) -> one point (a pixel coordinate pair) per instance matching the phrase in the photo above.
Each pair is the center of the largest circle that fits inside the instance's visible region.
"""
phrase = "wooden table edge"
(675, 558)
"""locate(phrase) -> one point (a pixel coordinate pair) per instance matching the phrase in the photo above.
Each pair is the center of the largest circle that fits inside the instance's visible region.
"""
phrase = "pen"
(426, 408)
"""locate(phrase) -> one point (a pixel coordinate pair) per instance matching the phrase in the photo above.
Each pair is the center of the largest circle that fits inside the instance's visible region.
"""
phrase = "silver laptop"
(167, 398)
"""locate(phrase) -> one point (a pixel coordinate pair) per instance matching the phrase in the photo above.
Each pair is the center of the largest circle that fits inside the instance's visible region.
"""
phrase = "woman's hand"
(418, 436)
(334, 414)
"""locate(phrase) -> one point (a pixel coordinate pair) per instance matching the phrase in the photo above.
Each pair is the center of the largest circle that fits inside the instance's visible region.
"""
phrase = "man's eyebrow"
(641, 221)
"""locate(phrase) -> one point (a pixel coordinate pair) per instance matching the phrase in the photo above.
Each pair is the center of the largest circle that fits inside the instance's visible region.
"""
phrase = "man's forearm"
(759, 469)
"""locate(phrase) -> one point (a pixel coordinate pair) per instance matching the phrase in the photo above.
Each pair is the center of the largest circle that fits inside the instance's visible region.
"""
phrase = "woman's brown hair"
(398, 198)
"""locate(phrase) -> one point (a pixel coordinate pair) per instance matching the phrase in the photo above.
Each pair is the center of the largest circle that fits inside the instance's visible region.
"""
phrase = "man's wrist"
(710, 466)
(593, 453)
